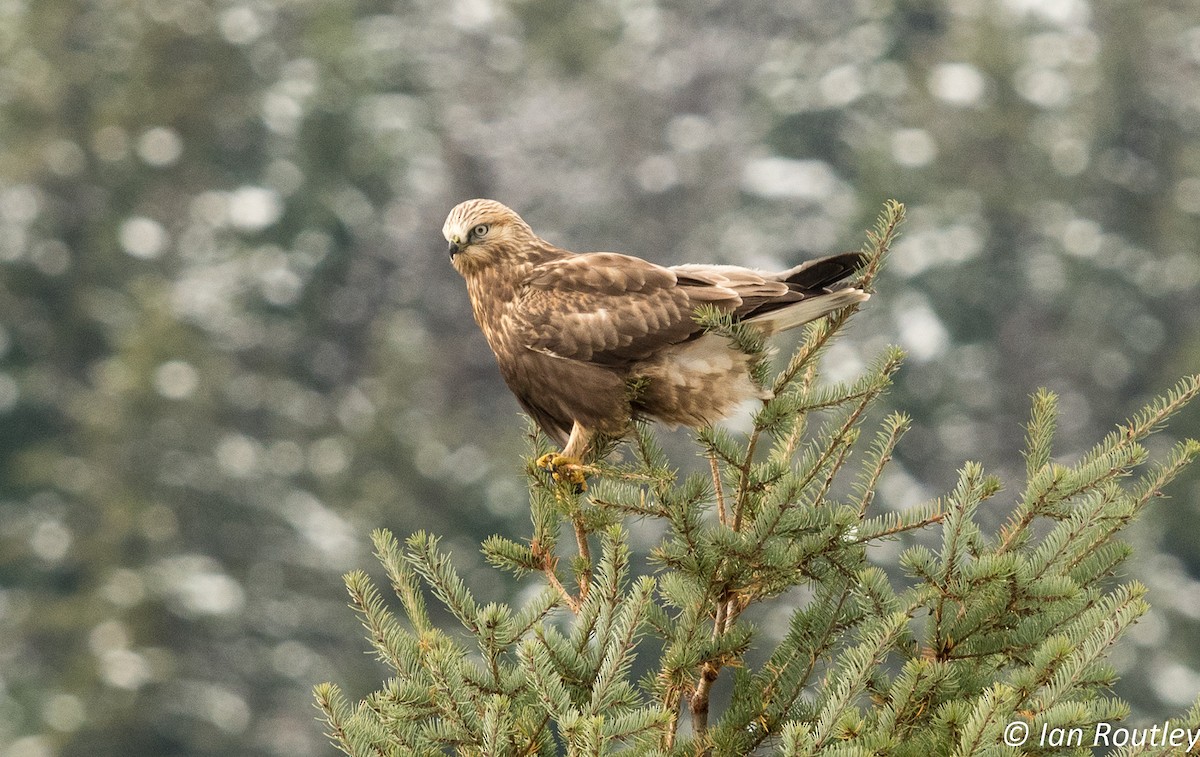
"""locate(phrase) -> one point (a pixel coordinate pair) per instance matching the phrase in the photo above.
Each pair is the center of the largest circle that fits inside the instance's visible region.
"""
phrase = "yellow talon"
(565, 469)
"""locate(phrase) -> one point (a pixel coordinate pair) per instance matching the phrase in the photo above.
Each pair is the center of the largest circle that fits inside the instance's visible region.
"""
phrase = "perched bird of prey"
(572, 333)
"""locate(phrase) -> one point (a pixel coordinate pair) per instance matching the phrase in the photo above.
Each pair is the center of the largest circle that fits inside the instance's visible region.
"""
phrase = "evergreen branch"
(439, 573)
(912, 692)
(958, 534)
(833, 450)
(787, 443)
(1151, 418)
(800, 400)
(1189, 722)
(1090, 637)
(967, 494)
(628, 496)
(1039, 433)
(460, 720)
(403, 579)
(511, 556)
(653, 460)
(1151, 485)
(1106, 563)
(742, 492)
(497, 731)
(627, 724)
(385, 635)
(797, 740)
(894, 524)
(812, 634)
(1102, 561)
(835, 467)
(856, 666)
(575, 665)
(682, 649)
(718, 443)
(1065, 539)
(366, 736)
(602, 608)
(496, 632)
(1090, 527)
(992, 710)
(878, 457)
(539, 739)
(1049, 485)
(880, 240)
(866, 390)
(333, 704)
(818, 333)
(533, 613)
(1115, 456)
(544, 515)
(746, 337)
(618, 652)
(699, 699)
(549, 686)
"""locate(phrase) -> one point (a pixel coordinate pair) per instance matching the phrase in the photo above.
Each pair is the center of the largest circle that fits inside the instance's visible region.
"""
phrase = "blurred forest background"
(231, 342)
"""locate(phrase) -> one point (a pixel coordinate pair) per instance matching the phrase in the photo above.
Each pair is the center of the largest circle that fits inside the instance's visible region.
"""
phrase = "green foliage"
(984, 628)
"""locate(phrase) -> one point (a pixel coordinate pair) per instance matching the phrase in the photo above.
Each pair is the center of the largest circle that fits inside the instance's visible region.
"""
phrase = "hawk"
(573, 332)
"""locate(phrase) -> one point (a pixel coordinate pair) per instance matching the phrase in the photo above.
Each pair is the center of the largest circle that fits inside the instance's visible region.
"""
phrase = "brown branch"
(744, 479)
(699, 703)
(708, 675)
(671, 704)
(586, 554)
(717, 488)
(550, 569)
(572, 603)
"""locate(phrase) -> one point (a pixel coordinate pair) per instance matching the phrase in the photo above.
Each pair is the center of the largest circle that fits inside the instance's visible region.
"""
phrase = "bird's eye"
(479, 230)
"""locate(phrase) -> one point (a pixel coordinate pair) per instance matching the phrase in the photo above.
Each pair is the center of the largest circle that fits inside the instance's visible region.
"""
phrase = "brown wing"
(614, 310)
(611, 309)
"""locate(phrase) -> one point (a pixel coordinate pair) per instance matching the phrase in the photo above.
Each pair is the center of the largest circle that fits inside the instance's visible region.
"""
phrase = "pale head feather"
(506, 232)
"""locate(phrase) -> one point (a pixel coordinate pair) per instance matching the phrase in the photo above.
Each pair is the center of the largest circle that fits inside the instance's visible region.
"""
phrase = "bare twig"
(585, 554)
(550, 569)
(718, 489)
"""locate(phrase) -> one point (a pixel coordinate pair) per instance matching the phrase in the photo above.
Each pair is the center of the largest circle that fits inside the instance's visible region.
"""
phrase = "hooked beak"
(455, 248)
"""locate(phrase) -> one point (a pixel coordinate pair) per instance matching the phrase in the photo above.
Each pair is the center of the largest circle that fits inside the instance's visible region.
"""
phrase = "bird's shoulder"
(603, 308)
(610, 273)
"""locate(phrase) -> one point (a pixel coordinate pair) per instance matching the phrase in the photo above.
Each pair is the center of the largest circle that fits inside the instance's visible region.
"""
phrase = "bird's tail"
(808, 309)
(822, 273)
(817, 288)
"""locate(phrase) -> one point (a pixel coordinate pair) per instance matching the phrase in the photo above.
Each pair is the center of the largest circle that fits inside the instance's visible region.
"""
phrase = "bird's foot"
(564, 469)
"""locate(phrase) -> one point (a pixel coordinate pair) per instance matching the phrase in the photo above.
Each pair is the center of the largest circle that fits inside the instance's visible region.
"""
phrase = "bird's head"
(482, 232)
